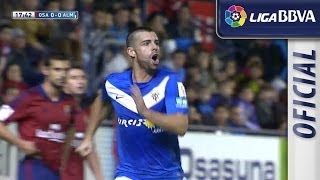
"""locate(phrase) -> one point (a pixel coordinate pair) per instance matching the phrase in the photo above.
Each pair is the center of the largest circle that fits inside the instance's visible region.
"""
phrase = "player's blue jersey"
(146, 151)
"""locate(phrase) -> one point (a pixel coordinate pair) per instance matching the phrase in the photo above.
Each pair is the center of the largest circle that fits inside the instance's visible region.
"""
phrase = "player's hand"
(137, 97)
(28, 147)
(85, 148)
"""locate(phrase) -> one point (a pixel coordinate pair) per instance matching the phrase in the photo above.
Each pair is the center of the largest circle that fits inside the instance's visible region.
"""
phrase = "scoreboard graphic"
(45, 15)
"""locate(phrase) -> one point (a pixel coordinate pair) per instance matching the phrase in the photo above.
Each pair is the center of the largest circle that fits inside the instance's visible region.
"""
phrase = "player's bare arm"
(67, 146)
(27, 147)
(175, 123)
(94, 121)
(94, 164)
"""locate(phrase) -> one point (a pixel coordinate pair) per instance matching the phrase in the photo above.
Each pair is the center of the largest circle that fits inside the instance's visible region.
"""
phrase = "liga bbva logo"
(236, 16)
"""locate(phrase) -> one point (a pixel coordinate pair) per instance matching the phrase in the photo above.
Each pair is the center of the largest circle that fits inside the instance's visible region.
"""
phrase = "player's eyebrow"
(149, 41)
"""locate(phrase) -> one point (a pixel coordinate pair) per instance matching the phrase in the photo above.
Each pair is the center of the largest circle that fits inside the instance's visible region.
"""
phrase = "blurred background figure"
(76, 84)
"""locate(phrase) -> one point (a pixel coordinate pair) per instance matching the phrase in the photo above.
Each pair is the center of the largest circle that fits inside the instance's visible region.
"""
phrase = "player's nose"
(155, 47)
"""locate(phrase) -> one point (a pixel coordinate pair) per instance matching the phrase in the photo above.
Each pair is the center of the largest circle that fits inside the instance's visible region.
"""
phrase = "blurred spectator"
(220, 116)
(27, 57)
(169, 7)
(157, 23)
(225, 48)
(5, 45)
(118, 63)
(283, 97)
(182, 26)
(87, 12)
(217, 72)
(204, 107)
(116, 4)
(52, 5)
(271, 55)
(278, 84)
(283, 45)
(194, 116)
(109, 64)
(177, 64)
(252, 73)
(193, 76)
(269, 112)
(237, 120)
(193, 101)
(265, 108)
(52, 24)
(192, 96)
(68, 36)
(245, 100)
(135, 18)
(283, 103)
(120, 27)
(230, 69)
(203, 62)
(99, 45)
(224, 95)
(9, 94)
(13, 82)
(35, 29)
(193, 52)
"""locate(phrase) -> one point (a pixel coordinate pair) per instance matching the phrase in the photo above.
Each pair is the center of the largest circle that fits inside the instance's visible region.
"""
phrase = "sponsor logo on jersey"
(140, 122)
(155, 96)
(51, 134)
(119, 96)
(181, 102)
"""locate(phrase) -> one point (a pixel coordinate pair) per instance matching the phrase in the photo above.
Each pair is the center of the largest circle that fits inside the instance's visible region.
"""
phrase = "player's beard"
(58, 85)
(147, 66)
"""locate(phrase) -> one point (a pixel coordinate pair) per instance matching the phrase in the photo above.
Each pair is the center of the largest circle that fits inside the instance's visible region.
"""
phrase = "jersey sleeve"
(176, 97)
(16, 110)
(104, 95)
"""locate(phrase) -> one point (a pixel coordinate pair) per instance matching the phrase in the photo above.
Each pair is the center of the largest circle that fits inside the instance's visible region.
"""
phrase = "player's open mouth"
(155, 59)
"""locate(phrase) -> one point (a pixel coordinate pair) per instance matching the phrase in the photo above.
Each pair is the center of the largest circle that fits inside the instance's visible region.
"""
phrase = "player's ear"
(131, 52)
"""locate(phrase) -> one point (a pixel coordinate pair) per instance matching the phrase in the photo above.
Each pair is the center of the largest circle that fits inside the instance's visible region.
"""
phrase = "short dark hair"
(76, 65)
(55, 56)
(131, 34)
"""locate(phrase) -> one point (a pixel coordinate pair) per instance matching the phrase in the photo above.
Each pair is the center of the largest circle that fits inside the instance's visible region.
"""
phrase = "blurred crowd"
(229, 83)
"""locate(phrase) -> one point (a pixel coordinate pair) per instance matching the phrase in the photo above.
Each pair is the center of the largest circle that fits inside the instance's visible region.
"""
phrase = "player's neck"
(141, 76)
(52, 92)
(78, 98)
